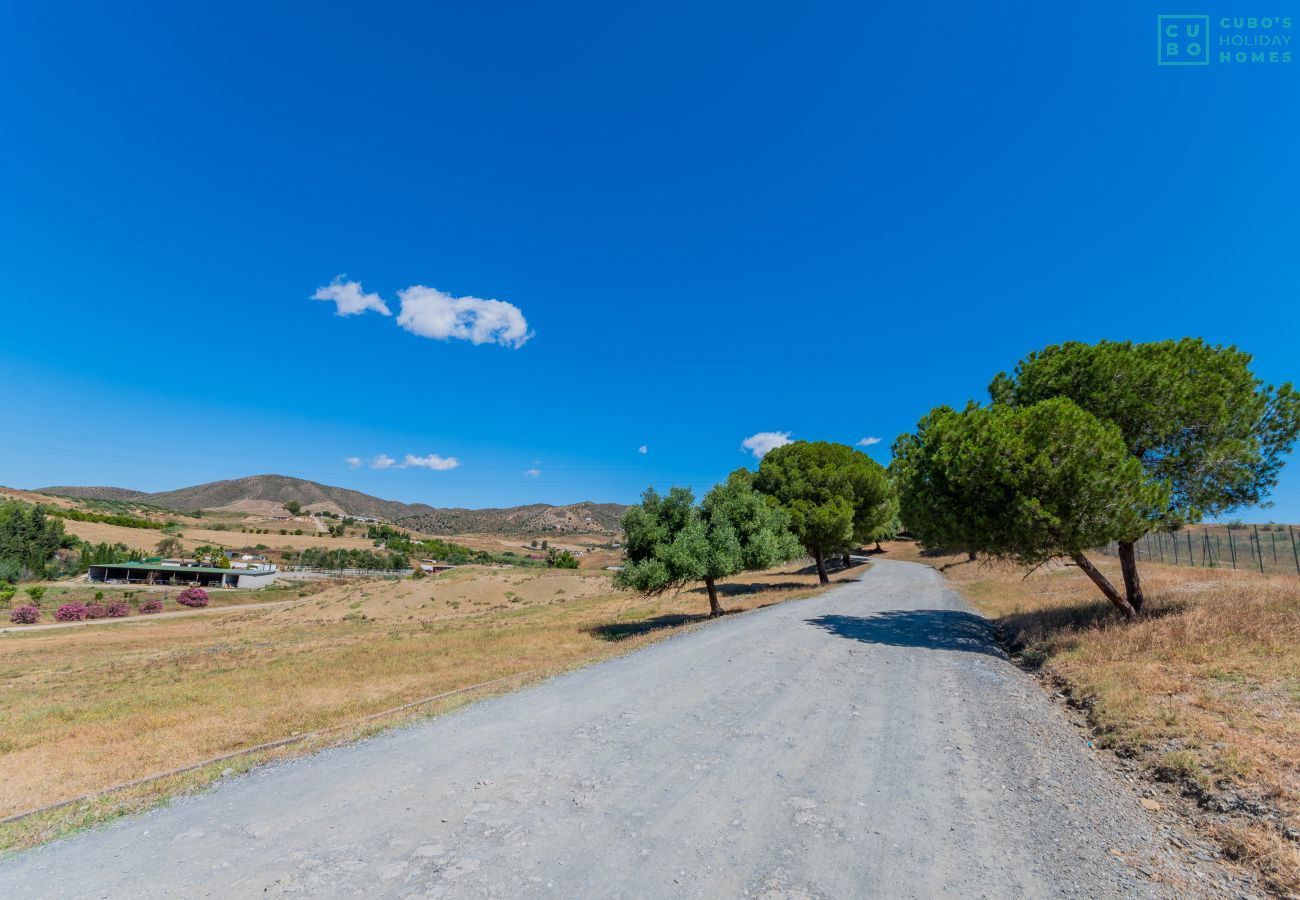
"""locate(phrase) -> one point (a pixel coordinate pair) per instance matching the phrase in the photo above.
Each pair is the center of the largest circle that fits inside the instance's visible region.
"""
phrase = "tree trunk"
(970, 556)
(715, 608)
(1106, 587)
(879, 549)
(822, 577)
(1132, 583)
(848, 560)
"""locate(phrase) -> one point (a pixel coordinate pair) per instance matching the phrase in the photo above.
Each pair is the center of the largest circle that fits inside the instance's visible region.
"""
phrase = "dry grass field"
(89, 707)
(1205, 691)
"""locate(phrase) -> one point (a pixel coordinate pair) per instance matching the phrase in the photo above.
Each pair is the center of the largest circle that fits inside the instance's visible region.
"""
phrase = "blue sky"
(715, 220)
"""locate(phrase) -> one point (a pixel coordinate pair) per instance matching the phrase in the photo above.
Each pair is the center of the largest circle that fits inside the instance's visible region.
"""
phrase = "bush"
(25, 615)
(151, 606)
(118, 609)
(561, 559)
(71, 612)
(36, 592)
(96, 611)
(99, 595)
(193, 597)
(7, 592)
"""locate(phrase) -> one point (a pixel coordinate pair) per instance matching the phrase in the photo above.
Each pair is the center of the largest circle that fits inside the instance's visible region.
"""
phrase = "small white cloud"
(533, 473)
(868, 441)
(764, 442)
(643, 449)
(354, 462)
(428, 312)
(383, 461)
(349, 299)
(432, 461)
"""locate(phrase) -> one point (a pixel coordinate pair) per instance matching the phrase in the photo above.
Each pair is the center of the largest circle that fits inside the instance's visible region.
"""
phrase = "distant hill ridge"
(262, 493)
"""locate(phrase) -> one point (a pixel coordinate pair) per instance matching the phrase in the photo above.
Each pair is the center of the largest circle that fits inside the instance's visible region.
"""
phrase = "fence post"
(1173, 538)
(1274, 535)
(1294, 549)
(1259, 548)
(1191, 557)
(1232, 549)
(1205, 549)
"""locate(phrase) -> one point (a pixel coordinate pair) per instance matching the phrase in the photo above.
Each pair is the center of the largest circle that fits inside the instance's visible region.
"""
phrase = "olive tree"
(671, 542)
(170, 546)
(1192, 414)
(1023, 483)
(834, 495)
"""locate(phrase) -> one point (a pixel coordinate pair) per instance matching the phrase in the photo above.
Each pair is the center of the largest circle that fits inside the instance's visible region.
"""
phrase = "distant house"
(433, 566)
(164, 573)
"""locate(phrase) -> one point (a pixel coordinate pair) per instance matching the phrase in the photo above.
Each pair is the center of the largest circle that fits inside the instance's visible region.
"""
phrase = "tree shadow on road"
(929, 629)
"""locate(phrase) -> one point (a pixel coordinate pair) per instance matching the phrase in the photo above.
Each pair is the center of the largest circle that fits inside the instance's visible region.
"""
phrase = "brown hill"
(262, 493)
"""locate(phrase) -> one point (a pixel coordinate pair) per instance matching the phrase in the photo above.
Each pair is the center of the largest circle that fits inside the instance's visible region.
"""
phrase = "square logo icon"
(1182, 40)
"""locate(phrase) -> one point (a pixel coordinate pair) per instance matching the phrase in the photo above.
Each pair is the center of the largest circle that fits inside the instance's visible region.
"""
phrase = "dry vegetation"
(1205, 691)
(93, 706)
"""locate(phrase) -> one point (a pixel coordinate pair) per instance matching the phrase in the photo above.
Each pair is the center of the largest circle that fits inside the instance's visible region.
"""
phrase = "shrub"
(99, 595)
(194, 597)
(96, 611)
(118, 609)
(25, 615)
(7, 592)
(36, 592)
(71, 612)
(151, 606)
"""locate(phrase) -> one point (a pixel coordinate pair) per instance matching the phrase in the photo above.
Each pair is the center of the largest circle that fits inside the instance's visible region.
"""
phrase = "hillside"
(267, 493)
(97, 492)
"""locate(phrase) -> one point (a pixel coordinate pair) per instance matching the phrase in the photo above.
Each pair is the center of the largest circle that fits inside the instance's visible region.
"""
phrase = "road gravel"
(870, 742)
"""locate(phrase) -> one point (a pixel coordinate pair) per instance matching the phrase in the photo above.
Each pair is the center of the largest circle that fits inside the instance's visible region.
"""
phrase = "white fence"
(314, 572)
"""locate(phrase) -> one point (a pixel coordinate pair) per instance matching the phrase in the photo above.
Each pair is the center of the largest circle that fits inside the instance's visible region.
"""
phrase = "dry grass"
(1205, 690)
(89, 707)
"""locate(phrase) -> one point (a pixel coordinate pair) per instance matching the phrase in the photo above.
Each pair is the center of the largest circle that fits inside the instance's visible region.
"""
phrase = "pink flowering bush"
(151, 606)
(118, 608)
(25, 615)
(71, 612)
(96, 611)
(194, 596)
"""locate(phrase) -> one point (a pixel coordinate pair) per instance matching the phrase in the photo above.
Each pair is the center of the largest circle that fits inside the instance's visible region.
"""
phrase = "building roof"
(158, 567)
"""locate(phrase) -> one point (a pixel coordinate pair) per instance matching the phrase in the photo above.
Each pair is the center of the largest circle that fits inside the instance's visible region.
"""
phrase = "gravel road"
(870, 742)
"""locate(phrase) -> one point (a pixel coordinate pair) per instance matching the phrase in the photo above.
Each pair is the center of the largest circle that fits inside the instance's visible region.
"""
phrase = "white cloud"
(432, 461)
(349, 300)
(868, 441)
(430, 313)
(354, 462)
(643, 449)
(533, 473)
(765, 441)
(383, 461)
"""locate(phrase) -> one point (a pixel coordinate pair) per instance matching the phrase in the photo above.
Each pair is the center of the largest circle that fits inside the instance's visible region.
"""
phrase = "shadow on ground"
(621, 631)
(929, 629)
(736, 589)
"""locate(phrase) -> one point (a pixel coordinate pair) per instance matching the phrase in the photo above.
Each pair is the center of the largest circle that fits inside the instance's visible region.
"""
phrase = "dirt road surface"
(870, 742)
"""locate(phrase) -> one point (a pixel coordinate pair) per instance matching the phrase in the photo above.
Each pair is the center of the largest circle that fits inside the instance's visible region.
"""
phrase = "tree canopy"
(1023, 483)
(834, 495)
(672, 542)
(29, 541)
(1193, 414)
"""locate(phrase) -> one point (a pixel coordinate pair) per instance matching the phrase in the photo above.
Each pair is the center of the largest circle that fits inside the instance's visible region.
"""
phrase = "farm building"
(158, 573)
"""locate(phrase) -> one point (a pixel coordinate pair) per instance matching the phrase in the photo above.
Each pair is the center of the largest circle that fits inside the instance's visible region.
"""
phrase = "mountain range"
(266, 494)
